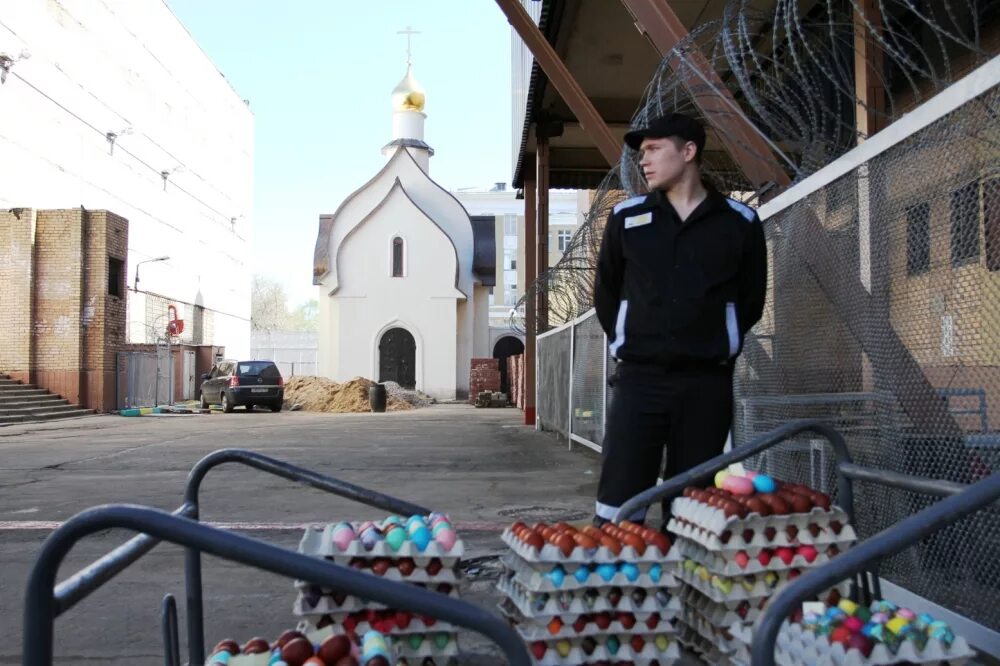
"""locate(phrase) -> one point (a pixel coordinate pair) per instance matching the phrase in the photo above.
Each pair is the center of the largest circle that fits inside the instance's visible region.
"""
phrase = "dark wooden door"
(397, 358)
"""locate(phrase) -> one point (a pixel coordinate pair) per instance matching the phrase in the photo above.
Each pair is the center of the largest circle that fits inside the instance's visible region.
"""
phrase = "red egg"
(611, 544)
(564, 527)
(538, 649)
(755, 505)
(228, 645)
(434, 567)
(636, 542)
(287, 636)
(861, 643)
(585, 541)
(822, 501)
(535, 540)
(593, 532)
(602, 620)
(627, 620)
(380, 565)
(406, 566)
(840, 635)
(256, 645)
(333, 648)
(296, 651)
(637, 643)
(517, 526)
(555, 625)
(565, 544)
(659, 539)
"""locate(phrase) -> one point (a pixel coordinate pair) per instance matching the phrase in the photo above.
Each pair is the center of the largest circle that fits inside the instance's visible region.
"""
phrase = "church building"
(404, 273)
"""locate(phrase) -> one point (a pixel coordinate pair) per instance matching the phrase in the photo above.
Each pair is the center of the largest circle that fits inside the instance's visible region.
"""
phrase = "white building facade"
(403, 275)
(116, 107)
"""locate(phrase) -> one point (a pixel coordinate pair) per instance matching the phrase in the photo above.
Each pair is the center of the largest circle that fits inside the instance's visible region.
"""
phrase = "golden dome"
(408, 95)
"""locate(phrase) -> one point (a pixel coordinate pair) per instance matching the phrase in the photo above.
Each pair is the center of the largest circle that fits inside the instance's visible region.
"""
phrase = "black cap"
(674, 124)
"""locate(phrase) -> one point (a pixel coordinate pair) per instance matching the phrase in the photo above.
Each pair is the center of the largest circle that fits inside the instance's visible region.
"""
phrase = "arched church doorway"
(397, 358)
(505, 347)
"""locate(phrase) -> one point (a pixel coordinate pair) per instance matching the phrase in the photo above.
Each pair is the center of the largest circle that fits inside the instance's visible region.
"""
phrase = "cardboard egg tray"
(721, 614)
(319, 541)
(694, 641)
(736, 542)
(536, 581)
(400, 645)
(549, 554)
(719, 563)
(742, 588)
(326, 605)
(533, 629)
(416, 626)
(714, 519)
(649, 654)
(576, 603)
(797, 646)
(722, 638)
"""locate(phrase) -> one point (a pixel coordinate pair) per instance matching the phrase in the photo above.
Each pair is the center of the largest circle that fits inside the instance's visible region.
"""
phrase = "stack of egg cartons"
(422, 550)
(582, 596)
(739, 543)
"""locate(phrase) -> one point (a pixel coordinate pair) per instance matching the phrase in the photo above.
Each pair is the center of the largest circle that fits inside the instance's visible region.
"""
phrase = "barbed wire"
(792, 77)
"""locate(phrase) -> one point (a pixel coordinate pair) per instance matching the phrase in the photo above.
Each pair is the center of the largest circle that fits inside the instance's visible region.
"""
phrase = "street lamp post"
(135, 284)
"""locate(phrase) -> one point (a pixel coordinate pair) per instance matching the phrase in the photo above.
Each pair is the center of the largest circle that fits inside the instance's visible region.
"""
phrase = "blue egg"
(655, 573)
(631, 571)
(607, 571)
(762, 483)
(420, 537)
(369, 538)
(221, 657)
(582, 574)
(557, 575)
(415, 520)
(275, 658)
(393, 520)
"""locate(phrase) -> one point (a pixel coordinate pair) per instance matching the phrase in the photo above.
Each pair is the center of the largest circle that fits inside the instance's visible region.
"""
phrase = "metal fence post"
(569, 393)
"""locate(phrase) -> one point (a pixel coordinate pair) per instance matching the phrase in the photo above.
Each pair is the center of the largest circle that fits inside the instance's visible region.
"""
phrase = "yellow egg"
(720, 476)
(563, 647)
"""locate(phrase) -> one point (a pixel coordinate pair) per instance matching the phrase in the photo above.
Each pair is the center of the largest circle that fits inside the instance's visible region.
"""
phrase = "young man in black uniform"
(681, 278)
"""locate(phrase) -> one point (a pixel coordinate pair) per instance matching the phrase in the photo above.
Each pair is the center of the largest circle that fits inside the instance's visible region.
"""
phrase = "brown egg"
(629, 526)
(822, 500)
(535, 540)
(548, 532)
(333, 648)
(538, 527)
(688, 491)
(755, 505)
(607, 528)
(406, 566)
(584, 541)
(700, 496)
(611, 544)
(287, 636)
(228, 645)
(792, 531)
(593, 532)
(517, 527)
(296, 651)
(748, 534)
(726, 535)
(636, 542)
(779, 507)
(379, 566)
(732, 508)
(565, 544)
(564, 527)
(256, 645)
(658, 539)
(799, 503)
(349, 660)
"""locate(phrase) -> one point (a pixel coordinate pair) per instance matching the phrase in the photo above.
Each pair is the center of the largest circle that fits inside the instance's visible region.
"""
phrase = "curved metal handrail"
(40, 607)
(704, 471)
(885, 543)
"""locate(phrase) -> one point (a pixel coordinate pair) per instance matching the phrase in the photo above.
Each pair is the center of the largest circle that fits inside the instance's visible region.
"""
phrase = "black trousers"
(687, 411)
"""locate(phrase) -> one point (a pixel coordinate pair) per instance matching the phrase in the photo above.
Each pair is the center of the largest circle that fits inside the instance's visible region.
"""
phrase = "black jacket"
(679, 294)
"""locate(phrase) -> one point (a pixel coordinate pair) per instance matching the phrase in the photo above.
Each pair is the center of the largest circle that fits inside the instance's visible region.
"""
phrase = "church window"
(397, 257)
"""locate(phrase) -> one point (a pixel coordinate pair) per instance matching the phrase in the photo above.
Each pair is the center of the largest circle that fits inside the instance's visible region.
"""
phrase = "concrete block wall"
(484, 375)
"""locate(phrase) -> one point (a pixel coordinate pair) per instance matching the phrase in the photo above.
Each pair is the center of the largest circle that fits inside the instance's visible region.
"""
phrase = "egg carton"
(327, 605)
(401, 646)
(723, 564)
(318, 541)
(649, 654)
(797, 646)
(416, 626)
(694, 641)
(714, 519)
(536, 581)
(743, 589)
(577, 602)
(721, 614)
(711, 541)
(532, 629)
(551, 554)
(722, 638)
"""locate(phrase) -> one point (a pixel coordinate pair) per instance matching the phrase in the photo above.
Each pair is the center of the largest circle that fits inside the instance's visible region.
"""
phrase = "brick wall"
(16, 246)
(484, 375)
(60, 325)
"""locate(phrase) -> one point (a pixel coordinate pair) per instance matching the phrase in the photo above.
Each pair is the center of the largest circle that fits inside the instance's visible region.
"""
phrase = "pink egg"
(853, 624)
(343, 537)
(446, 538)
(439, 519)
(738, 485)
(751, 474)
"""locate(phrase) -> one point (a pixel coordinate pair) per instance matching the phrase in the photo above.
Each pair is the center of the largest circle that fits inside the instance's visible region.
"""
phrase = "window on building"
(918, 239)
(116, 277)
(397, 257)
(965, 225)
(991, 222)
(563, 239)
(510, 225)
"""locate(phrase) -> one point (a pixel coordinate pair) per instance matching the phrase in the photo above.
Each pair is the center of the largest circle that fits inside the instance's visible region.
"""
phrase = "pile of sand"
(319, 394)
(415, 398)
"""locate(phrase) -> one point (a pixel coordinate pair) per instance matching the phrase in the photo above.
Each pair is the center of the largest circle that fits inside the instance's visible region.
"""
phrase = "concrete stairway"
(23, 403)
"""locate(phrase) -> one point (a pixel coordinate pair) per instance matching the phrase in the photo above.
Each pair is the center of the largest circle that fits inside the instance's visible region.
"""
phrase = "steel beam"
(567, 87)
(656, 20)
(529, 302)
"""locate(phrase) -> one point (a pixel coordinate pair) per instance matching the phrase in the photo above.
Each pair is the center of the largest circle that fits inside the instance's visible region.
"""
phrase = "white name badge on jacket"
(638, 220)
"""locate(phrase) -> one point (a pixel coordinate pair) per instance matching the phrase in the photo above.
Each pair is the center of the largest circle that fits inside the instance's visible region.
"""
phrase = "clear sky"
(318, 74)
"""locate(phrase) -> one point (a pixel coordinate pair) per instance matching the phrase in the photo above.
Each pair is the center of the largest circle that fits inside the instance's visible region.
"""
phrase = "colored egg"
(762, 483)
(854, 624)
(369, 538)
(434, 515)
(662, 643)
(655, 573)
(582, 574)
(420, 537)
(446, 538)
(750, 474)
(343, 536)
(415, 520)
(557, 575)
(441, 639)
(906, 614)
(415, 640)
(563, 647)
(365, 526)
(738, 485)
(720, 476)
(606, 571)
(392, 520)
(847, 606)
(395, 537)
(631, 572)
(613, 644)
(440, 525)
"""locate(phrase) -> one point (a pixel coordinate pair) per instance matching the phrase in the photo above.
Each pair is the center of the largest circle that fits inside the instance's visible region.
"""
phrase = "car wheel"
(276, 407)
(204, 401)
(227, 403)
(249, 407)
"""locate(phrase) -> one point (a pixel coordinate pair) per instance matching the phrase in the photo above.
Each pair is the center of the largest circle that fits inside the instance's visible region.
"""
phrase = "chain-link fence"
(884, 319)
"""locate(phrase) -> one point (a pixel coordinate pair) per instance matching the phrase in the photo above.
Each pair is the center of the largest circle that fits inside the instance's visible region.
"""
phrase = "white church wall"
(369, 301)
(130, 65)
(481, 347)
